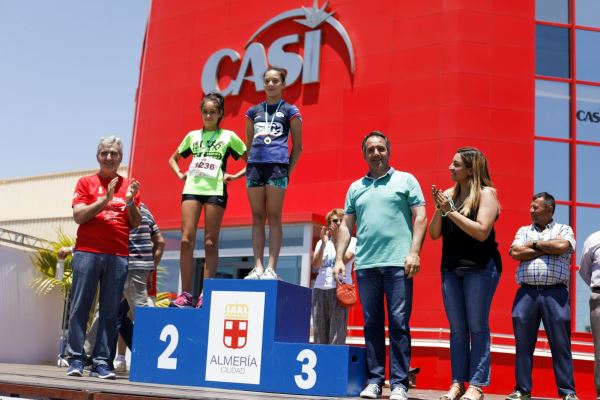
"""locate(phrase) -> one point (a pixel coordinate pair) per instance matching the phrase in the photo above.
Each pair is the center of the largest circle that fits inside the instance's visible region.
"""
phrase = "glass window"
(293, 235)
(234, 267)
(588, 13)
(239, 238)
(582, 308)
(552, 109)
(561, 214)
(288, 268)
(588, 165)
(172, 240)
(167, 276)
(552, 51)
(552, 168)
(587, 223)
(552, 10)
(588, 113)
(235, 238)
(588, 56)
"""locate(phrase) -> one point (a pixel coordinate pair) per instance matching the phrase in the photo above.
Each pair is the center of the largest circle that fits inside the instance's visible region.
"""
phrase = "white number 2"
(308, 369)
(165, 361)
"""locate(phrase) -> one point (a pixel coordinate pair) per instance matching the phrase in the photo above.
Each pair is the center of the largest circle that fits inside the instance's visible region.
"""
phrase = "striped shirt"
(140, 242)
(546, 269)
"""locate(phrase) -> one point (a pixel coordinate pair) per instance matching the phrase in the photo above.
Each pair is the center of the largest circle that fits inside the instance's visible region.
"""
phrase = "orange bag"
(346, 294)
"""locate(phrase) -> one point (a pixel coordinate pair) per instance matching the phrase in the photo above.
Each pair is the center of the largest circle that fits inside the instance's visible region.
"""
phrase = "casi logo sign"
(256, 57)
(588, 116)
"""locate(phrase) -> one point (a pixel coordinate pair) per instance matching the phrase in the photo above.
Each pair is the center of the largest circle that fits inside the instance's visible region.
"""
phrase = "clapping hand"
(442, 201)
(110, 190)
(325, 234)
(132, 189)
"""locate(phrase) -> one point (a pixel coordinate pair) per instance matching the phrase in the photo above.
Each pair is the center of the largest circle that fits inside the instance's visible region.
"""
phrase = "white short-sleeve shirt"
(325, 278)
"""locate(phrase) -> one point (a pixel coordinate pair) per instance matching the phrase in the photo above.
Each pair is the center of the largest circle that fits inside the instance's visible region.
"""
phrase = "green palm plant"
(44, 261)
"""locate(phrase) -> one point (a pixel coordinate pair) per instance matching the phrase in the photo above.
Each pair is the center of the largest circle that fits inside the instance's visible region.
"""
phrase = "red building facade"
(432, 75)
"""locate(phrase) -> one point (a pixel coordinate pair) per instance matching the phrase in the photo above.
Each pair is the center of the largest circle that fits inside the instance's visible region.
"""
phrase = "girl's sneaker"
(269, 274)
(256, 273)
(183, 300)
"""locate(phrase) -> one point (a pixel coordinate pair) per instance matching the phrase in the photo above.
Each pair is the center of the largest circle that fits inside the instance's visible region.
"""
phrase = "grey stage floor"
(43, 381)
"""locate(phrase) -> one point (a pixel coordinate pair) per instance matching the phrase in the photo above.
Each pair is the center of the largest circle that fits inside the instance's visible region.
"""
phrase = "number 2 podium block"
(248, 335)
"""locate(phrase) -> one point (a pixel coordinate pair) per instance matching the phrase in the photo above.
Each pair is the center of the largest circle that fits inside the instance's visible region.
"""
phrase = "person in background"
(146, 246)
(268, 127)
(105, 207)
(543, 250)
(205, 189)
(590, 273)
(330, 318)
(388, 209)
(471, 266)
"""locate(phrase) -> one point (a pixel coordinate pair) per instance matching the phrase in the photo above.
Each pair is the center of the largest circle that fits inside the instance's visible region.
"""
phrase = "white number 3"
(308, 369)
(165, 361)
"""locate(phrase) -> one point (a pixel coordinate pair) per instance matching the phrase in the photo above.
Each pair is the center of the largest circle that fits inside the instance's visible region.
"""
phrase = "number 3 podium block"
(248, 335)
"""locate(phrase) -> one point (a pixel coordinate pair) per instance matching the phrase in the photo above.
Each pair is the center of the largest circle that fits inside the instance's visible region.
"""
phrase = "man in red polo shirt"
(105, 206)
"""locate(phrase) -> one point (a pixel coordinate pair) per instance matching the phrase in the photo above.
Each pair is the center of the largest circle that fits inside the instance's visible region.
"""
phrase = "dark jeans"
(467, 299)
(124, 328)
(89, 270)
(552, 307)
(373, 284)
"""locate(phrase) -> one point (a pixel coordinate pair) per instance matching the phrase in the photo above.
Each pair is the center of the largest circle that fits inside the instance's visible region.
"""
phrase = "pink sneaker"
(183, 300)
(199, 302)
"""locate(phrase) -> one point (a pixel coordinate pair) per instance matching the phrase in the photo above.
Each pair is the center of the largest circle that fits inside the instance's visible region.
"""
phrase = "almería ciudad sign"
(256, 58)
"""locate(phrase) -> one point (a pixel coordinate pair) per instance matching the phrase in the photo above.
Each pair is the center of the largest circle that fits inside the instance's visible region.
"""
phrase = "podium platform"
(249, 335)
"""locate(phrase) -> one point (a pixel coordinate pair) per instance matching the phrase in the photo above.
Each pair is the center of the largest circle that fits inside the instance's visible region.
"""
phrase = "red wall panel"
(433, 75)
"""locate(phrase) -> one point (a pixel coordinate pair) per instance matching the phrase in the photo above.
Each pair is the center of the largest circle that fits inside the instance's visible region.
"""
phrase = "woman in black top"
(471, 265)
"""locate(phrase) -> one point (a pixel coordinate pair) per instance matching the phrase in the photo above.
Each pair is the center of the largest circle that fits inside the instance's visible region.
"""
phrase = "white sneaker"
(120, 364)
(256, 273)
(269, 274)
(399, 393)
(372, 391)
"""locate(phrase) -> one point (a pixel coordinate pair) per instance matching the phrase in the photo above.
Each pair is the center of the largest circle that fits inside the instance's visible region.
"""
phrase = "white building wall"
(41, 205)
(30, 323)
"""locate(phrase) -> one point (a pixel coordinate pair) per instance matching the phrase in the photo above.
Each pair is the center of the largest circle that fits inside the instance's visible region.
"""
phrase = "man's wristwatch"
(534, 245)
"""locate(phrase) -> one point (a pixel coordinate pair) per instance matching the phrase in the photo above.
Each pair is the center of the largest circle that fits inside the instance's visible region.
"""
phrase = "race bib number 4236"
(204, 166)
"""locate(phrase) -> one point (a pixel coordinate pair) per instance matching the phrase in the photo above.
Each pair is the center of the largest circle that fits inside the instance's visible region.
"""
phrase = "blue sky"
(68, 75)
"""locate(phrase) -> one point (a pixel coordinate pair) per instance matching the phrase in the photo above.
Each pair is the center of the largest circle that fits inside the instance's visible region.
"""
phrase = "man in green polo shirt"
(388, 209)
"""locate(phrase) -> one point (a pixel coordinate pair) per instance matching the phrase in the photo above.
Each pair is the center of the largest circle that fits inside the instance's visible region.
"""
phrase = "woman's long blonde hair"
(473, 159)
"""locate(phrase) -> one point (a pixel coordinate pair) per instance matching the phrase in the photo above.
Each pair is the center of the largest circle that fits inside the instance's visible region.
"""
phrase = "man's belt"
(544, 287)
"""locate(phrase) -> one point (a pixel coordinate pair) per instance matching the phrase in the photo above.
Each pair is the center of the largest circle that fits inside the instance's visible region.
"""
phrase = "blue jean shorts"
(258, 175)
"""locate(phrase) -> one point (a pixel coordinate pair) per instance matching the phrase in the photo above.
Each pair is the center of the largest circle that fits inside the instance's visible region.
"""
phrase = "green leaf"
(45, 262)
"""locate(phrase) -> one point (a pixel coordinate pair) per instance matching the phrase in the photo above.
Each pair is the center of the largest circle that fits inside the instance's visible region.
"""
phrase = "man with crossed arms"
(544, 250)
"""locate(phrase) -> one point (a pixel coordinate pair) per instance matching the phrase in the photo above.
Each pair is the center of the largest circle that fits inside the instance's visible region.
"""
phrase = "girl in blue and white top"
(268, 127)
(330, 318)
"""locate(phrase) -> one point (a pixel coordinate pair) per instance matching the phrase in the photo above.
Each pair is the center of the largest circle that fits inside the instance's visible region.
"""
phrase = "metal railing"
(21, 239)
